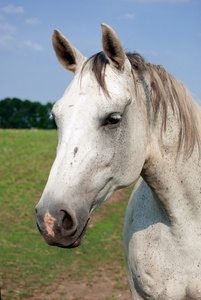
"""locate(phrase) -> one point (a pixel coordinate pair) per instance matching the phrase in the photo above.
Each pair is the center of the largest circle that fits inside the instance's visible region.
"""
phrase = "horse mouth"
(79, 240)
(60, 240)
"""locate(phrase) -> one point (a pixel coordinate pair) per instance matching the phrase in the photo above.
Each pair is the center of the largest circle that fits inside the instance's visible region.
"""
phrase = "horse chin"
(77, 243)
(79, 240)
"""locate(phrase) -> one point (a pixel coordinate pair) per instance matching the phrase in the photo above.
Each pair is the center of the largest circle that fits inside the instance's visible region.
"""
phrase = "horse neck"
(175, 179)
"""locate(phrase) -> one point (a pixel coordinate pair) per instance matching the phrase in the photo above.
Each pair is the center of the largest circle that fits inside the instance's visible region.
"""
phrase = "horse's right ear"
(69, 57)
(112, 46)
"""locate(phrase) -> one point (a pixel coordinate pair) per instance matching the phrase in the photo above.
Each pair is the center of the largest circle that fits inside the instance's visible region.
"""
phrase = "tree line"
(15, 113)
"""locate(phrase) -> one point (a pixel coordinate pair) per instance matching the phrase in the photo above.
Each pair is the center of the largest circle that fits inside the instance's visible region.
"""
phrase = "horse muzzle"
(62, 228)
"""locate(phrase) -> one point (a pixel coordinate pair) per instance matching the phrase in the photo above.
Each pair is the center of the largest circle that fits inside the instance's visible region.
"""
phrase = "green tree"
(15, 113)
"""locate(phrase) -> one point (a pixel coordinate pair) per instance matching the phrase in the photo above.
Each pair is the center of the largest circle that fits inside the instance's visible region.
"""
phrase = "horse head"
(102, 139)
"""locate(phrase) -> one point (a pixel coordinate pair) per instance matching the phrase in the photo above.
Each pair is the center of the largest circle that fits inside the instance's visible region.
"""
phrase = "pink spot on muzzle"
(49, 223)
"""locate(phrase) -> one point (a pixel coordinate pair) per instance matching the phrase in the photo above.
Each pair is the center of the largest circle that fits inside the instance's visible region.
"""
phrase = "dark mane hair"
(164, 89)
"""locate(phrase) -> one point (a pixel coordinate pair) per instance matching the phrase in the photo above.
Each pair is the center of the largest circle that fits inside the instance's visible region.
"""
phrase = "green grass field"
(27, 264)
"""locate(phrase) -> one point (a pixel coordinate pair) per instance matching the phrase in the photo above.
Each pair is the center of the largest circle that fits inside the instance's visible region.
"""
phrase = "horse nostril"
(67, 221)
(36, 210)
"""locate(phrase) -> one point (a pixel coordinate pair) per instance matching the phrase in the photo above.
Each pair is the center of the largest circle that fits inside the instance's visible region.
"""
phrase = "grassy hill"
(27, 265)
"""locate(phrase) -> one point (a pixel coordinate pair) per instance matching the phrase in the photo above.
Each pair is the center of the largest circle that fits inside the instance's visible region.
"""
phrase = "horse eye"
(112, 119)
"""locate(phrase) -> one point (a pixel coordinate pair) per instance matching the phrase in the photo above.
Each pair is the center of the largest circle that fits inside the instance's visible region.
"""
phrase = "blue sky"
(166, 32)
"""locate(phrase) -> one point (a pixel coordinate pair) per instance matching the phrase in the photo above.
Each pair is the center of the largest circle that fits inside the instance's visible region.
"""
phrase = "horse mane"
(164, 90)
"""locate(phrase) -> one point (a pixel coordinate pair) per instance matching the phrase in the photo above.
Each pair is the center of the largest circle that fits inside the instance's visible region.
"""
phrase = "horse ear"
(69, 57)
(112, 46)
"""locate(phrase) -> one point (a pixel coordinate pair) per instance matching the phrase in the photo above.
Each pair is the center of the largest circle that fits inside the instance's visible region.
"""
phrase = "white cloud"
(11, 9)
(32, 45)
(147, 53)
(127, 17)
(6, 34)
(161, 1)
(7, 28)
(167, 1)
(169, 52)
(33, 21)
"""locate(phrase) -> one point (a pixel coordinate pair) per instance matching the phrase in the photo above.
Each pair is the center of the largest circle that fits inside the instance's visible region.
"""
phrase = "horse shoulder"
(146, 235)
(155, 259)
(143, 212)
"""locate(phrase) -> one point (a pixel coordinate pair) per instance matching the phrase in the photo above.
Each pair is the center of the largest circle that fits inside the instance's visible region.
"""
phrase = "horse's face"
(101, 143)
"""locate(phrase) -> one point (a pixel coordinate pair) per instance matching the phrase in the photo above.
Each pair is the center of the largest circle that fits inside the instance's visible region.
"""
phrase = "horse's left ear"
(112, 46)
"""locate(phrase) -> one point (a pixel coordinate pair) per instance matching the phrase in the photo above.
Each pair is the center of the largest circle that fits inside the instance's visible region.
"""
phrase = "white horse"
(119, 119)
